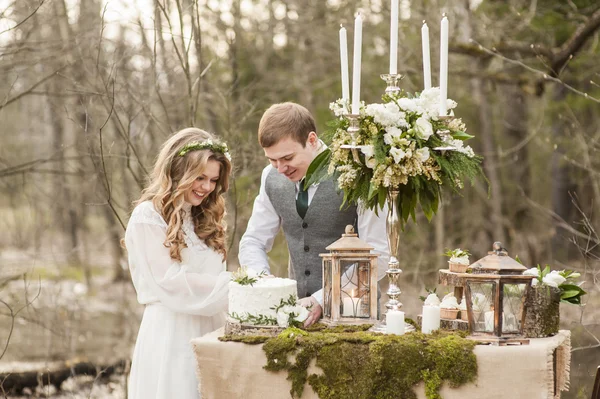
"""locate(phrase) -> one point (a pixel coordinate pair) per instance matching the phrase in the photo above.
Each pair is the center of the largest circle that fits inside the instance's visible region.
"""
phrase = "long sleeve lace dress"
(183, 300)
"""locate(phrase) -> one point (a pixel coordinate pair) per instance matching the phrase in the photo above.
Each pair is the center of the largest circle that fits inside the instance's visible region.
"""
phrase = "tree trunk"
(543, 312)
(490, 164)
(562, 184)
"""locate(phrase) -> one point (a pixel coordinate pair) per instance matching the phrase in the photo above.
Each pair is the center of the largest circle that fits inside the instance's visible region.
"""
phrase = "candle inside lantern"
(426, 56)
(443, 66)
(431, 319)
(394, 39)
(489, 321)
(395, 322)
(350, 304)
(356, 65)
(344, 64)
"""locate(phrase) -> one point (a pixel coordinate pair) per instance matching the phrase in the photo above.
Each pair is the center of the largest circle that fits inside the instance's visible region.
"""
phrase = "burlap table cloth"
(231, 370)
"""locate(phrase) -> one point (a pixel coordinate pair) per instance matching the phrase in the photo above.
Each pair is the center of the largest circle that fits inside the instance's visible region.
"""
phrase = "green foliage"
(457, 253)
(364, 365)
(257, 320)
(242, 278)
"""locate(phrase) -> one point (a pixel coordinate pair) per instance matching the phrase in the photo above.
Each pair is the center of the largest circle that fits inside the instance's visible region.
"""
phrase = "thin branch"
(544, 75)
(26, 18)
(574, 44)
(32, 88)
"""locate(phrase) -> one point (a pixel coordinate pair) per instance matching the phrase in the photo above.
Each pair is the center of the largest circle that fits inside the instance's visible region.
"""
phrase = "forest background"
(91, 88)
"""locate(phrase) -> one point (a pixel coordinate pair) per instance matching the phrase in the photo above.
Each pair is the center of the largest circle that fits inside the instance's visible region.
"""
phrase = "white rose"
(397, 153)
(553, 279)
(282, 319)
(424, 128)
(302, 313)
(423, 154)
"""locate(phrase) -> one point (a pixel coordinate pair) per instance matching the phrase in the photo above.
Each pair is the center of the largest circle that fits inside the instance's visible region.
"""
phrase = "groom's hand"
(315, 310)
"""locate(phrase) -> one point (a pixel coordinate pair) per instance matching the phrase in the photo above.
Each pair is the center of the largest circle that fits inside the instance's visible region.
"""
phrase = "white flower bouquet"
(403, 146)
(564, 280)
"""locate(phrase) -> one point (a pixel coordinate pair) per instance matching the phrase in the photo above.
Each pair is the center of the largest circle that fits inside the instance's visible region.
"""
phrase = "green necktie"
(302, 200)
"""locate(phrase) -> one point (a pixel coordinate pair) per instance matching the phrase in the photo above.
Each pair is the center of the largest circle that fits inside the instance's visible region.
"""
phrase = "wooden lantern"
(349, 281)
(495, 291)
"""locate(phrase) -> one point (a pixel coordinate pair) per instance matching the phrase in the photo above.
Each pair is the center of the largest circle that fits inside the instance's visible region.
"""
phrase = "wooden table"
(540, 370)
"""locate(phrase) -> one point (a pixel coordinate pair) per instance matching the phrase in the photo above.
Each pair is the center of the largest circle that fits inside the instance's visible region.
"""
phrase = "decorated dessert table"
(538, 370)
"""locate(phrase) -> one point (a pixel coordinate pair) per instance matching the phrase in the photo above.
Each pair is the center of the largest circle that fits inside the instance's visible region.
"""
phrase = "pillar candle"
(394, 39)
(348, 306)
(431, 319)
(443, 65)
(426, 56)
(489, 320)
(395, 322)
(344, 64)
(356, 65)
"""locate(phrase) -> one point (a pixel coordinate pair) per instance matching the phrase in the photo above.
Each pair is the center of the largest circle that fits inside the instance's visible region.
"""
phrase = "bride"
(175, 240)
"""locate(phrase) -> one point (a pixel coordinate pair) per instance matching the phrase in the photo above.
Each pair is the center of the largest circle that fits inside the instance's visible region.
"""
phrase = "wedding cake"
(258, 300)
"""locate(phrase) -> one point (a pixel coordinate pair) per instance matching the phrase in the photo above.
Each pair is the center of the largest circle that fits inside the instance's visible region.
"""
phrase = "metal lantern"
(495, 291)
(349, 281)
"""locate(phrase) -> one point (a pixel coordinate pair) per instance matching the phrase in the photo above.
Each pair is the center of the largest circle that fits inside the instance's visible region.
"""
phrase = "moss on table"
(359, 364)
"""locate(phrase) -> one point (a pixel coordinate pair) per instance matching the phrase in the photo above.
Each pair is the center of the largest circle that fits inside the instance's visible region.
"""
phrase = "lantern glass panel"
(327, 281)
(354, 301)
(513, 295)
(482, 300)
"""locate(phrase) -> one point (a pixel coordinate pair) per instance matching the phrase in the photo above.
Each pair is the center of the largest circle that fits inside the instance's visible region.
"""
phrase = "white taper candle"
(344, 64)
(443, 65)
(394, 38)
(356, 65)
(426, 56)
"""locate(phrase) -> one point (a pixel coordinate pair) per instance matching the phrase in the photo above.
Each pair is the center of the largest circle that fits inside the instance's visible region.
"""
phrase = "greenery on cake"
(288, 314)
(256, 320)
(245, 276)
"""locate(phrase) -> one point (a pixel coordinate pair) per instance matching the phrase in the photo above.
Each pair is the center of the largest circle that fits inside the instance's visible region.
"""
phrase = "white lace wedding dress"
(183, 301)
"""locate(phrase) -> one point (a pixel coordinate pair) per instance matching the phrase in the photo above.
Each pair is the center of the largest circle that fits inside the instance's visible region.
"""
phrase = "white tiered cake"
(260, 297)
(264, 301)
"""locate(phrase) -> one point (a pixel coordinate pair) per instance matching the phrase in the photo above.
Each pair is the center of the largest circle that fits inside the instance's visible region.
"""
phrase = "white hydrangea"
(386, 114)
(408, 104)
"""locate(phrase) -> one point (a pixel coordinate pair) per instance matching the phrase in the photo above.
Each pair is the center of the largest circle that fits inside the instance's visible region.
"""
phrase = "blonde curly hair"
(173, 176)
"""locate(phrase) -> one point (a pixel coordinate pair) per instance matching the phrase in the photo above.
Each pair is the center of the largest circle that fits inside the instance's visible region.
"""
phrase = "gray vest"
(323, 224)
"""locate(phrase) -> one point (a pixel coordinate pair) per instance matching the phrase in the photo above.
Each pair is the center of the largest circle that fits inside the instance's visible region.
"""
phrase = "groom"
(311, 217)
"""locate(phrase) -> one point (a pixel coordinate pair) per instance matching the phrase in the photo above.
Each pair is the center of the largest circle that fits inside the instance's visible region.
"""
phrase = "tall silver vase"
(393, 228)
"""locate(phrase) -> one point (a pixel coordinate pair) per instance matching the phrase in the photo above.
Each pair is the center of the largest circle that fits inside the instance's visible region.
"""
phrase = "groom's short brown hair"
(285, 120)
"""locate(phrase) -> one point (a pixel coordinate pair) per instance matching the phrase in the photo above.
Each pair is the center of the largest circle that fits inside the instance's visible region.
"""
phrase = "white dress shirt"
(264, 224)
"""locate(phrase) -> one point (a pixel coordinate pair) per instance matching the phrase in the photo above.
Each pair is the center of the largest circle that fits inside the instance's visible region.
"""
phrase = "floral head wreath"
(206, 145)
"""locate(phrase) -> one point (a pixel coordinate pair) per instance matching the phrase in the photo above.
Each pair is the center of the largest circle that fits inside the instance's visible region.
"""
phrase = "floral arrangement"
(245, 276)
(458, 255)
(564, 280)
(404, 146)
